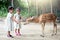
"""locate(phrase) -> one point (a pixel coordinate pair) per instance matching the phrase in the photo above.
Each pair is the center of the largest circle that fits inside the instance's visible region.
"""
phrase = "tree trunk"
(36, 8)
(51, 6)
(11, 2)
(28, 7)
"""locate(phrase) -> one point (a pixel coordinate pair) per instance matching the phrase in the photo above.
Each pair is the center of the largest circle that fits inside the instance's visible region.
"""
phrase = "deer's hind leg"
(55, 28)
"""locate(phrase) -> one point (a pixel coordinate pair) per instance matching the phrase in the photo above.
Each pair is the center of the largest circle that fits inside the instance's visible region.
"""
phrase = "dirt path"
(31, 31)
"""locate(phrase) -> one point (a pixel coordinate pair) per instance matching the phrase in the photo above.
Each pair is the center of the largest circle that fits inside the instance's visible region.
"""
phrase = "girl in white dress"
(17, 17)
(9, 20)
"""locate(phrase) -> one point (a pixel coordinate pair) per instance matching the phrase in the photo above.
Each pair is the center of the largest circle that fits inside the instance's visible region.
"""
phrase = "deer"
(44, 18)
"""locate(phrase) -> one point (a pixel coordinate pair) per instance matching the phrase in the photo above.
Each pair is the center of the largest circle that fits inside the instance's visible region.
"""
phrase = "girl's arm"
(14, 19)
(20, 19)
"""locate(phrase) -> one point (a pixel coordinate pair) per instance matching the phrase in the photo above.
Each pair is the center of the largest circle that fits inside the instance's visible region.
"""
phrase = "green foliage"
(24, 8)
(3, 7)
(4, 3)
(3, 12)
(17, 3)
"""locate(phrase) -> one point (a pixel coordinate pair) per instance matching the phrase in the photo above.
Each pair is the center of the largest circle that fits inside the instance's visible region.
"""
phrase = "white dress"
(17, 17)
(9, 22)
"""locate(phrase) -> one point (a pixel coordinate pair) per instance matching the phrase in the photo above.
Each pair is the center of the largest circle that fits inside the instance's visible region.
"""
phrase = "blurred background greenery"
(30, 7)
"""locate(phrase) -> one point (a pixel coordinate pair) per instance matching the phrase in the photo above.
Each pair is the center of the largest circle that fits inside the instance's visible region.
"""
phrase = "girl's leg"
(9, 35)
(16, 31)
(19, 32)
(8, 32)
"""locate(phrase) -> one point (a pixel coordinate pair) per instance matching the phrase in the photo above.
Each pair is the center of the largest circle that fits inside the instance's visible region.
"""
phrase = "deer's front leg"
(43, 26)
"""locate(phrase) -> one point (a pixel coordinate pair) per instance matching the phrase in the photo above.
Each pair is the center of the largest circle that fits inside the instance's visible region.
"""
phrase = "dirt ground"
(30, 31)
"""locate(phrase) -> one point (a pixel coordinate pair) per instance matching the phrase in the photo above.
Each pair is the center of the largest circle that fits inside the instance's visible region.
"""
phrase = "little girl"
(9, 21)
(17, 25)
